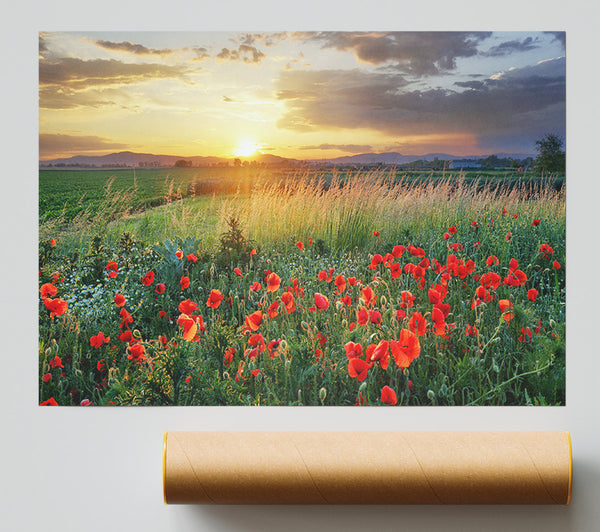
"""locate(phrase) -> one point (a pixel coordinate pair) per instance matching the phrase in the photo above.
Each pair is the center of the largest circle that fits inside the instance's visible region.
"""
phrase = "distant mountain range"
(128, 158)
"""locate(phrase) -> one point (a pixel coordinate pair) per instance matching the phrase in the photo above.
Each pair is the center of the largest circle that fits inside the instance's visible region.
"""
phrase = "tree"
(551, 157)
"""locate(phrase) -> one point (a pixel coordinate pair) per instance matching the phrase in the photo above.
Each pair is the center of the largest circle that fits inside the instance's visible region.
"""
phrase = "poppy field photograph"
(323, 218)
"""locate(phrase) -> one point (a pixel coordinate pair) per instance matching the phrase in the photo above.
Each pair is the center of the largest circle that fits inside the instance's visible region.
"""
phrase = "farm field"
(203, 287)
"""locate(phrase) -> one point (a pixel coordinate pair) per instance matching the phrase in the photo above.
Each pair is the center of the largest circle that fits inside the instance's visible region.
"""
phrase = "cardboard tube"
(367, 467)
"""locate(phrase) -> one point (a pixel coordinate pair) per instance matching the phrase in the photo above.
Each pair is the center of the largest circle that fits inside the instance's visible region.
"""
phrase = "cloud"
(244, 52)
(350, 148)
(129, 47)
(417, 53)
(78, 74)
(42, 46)
(519, 102)
(228, 99)
(53, 145)
(55, 97)
(510, 47)
(559, 36)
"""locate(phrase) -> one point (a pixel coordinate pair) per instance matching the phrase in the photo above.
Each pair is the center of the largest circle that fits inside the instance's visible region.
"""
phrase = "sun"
(246, 149)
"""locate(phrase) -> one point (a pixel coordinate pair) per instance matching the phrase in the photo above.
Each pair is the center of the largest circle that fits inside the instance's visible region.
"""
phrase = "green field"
(482, 339)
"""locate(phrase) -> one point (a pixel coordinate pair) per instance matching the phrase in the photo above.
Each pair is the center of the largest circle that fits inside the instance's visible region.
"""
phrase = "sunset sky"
(305, 95)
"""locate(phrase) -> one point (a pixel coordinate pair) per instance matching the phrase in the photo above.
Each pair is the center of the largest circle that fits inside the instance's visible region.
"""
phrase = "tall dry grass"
(347, 211)
(343, 211)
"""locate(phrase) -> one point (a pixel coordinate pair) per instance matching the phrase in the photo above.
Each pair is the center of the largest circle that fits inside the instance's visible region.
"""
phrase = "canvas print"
(302, 218)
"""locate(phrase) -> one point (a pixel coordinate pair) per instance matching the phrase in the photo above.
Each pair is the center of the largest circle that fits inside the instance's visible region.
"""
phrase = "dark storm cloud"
(244, 52)
(79, 74)
(129, 47)
(520, 100)
(417, 53)
(51, 144)
(560, 36)
(510, 47)
(350, 148)
(473, 84)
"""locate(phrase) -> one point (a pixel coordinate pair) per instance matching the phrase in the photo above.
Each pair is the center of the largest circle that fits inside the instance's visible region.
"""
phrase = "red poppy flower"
(556, 265)
(56, 362)
(274, 348)
(452, 230)
(400, 315)
(536, 222)
(254, 320)
(238, 272)
(49, 402)
(491, 260)
(388, 396)
(358, 369)
(273, 309)
(362, 316)
(353, 350)
(57, 307)
(86, 402)
(517, 278)
(375, 317)
(299, 245)
(125, 336)
(288, 300)
(505, 305)
(148, 279)
(532, 294)
(191, 257)
(509, 236)
(417, 324)
(137, 352)
(112, 266)
(214, 299)
(189, 326)
(321, 302)
(98, 340)
(160, 288)
(376, 260)
(187, 306)
(179, 254)
(407, 299)
(258, 340)
(253, 252)
(273, 282)
(406, 349)
(340, 282)
(228, 356)
(546, 251)
(375, 233)
(184, 282)
(368, 296)
(447, 236)
(47, 377)
(255, 287)
(100, 365)
(52, 242)
(126, 318)
(119, 300)
(381, 353)
(48, 289)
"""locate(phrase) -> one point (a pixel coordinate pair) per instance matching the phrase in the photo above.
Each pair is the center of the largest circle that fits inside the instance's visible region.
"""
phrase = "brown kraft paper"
(367, 468)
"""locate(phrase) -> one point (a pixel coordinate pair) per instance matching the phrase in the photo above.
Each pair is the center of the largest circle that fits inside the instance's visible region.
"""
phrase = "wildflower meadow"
(361, 289)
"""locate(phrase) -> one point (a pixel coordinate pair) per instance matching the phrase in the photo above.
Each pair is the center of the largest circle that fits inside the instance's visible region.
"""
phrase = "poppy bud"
(226, 375)
(300, 396)
(137, 334)
(363, 388)
(383, 301)
(430, 394)
(322, 394)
